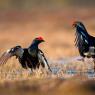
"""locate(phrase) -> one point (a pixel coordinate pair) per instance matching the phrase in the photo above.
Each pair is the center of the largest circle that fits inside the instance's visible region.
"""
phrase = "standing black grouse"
(84, 41)
(31, 57)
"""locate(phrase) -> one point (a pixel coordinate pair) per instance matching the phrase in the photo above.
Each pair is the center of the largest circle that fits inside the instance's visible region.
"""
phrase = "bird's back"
(92, 41)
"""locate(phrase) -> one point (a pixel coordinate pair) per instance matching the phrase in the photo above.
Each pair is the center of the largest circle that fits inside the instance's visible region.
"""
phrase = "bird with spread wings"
(31, 57)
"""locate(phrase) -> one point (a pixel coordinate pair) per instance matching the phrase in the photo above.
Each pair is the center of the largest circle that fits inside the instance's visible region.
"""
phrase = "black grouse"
(84, 41)
(31, 57)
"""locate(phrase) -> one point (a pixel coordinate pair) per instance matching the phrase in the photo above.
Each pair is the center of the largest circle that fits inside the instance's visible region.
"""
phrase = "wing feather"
(4, 57)
(43, 60)
(80, 39)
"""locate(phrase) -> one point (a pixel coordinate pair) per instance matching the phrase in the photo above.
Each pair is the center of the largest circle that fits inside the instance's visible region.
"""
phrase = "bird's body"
(31, 61)
(84, 41)
(31, 57)
(28, 61)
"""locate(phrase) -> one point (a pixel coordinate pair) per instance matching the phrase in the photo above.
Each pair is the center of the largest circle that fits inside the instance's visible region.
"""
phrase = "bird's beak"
(73, 25)
(43, 40)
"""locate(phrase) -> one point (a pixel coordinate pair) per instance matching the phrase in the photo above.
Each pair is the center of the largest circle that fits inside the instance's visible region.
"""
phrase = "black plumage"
(31, 57)
(84, 41)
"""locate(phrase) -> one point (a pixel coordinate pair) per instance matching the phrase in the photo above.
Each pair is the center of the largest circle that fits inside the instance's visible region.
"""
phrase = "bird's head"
(78, 24)
(16, 51)
(38, 40)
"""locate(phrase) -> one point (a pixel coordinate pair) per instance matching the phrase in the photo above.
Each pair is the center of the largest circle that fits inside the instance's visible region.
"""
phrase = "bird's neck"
(34, 46)
(33, 49)
(83, 30)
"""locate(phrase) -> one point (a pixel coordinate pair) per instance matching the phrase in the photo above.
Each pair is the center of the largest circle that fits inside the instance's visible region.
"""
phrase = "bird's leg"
(31, 70)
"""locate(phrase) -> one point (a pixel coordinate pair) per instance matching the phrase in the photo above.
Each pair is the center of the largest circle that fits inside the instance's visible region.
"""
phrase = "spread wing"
(5, 56)
(42, 59)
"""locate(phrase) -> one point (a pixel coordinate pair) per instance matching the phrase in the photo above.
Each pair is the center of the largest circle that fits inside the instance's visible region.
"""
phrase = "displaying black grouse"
(31, 57)
(84, 41)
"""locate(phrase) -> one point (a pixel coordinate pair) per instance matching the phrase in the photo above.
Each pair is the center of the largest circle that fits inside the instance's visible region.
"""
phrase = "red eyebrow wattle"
(40, 38)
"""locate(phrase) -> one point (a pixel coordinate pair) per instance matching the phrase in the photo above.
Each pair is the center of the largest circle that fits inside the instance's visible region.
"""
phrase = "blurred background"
(23, 20)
